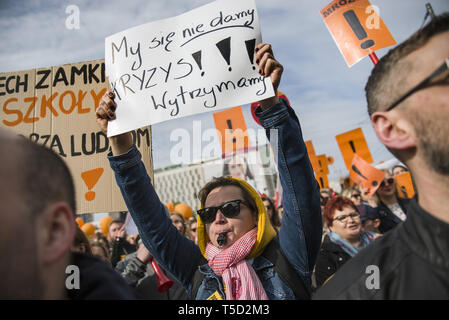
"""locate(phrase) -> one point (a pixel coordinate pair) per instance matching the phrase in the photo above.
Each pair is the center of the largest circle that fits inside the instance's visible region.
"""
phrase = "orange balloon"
(170, 206)
(104, 224)
(88, 229)
(79, 221)
(183, 209)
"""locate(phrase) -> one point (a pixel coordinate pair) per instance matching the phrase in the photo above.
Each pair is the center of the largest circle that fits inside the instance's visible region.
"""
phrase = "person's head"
(415, 130)
(230, 206)
(99, 250)
(193, 231)
(342, 217)
(324, 197)
(81, 242)
(38, 203)
(272, 213)
(387, 188)
(370, 219)
(237, 167)
(114, 229)
(398, 169)
(179, 222)
(355, 196)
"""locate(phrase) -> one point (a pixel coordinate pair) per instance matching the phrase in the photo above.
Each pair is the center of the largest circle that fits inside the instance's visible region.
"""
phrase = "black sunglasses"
(389, 181)
(229, 209)
(422, 84)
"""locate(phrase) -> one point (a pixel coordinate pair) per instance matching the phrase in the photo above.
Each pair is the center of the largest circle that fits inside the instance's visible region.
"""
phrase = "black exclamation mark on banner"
(357, 27)
(234, 141)
(250, 46)
(351, 144)
(322, 182)
(225, 49)
(356, 170)
(197, 57)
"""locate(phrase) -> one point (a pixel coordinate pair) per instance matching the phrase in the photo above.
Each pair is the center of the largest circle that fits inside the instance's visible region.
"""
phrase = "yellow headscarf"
(265, 231)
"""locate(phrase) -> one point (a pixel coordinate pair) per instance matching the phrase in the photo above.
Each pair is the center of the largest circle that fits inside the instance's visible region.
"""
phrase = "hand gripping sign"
(356, 28)
(200, 61)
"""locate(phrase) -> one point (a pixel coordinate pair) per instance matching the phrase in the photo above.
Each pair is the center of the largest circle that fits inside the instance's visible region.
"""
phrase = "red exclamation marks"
(357, 27)
(91, 178)
(250, 46)
(197, 57)
(225, 49)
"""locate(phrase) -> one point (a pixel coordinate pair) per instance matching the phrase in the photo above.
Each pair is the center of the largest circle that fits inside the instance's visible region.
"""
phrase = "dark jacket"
(412, 262)
(120, 248)
(98, 281)
(388, 220)
(142, 277)
(330, 258)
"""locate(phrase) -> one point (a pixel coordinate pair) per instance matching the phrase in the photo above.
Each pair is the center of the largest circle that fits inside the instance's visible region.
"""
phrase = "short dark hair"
(226, 181)
(45, 177)
(385, 82)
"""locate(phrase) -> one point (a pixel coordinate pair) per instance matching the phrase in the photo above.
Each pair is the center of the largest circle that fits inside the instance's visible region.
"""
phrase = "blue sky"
(327, 96)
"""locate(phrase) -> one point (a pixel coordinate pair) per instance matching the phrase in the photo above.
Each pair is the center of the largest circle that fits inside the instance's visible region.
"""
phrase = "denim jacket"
(300, 233)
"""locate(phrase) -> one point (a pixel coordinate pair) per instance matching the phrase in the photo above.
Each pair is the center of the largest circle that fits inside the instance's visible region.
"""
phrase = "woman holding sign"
(239, 255)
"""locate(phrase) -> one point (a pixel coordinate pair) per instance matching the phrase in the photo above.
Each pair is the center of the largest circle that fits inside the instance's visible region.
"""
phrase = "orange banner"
(353, 142)
(356, 28)
(232, 131)
(365, 175)
(404, 185)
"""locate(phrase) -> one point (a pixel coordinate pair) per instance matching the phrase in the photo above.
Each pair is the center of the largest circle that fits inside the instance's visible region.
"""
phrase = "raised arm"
(174, 252)
(300, 234)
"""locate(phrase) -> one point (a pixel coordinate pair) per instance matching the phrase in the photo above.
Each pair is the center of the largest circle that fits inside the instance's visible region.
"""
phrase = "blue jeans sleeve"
(173, 251)
(301, 229)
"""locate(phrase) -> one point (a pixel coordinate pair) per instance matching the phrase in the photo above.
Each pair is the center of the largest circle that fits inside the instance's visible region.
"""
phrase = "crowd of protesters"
(237, 246)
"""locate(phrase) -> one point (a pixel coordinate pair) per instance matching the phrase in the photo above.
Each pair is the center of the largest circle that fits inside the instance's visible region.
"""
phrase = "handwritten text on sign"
(200, 61)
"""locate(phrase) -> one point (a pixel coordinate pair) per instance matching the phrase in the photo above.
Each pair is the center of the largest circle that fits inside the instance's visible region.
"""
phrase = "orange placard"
(404, 185)
(322, 162)
(232, 131)
(356, 28)
(353, 142)
(312, 156)
(322, 181)
(365, 175)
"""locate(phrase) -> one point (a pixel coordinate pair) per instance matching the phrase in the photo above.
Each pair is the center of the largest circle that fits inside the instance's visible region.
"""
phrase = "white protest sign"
(200, 61)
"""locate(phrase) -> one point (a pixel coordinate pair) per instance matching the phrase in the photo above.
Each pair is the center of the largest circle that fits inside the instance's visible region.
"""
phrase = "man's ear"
(393, 131)
(57, 230)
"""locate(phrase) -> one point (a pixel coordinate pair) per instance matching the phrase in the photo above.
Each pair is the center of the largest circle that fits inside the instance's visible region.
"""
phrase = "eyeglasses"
(441, 69)
(230, 209)
(355, 195)
(389, 181)
(345, 217)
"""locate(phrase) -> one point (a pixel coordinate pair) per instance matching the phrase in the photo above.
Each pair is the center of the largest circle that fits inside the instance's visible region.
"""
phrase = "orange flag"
(365, 175)
(404, 185)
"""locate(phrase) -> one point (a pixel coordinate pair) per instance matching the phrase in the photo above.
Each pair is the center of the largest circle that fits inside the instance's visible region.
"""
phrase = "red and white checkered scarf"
(240, 279)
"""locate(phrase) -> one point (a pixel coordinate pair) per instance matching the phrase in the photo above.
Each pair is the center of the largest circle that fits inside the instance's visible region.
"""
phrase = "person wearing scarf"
(239, 254)
(344, 240)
